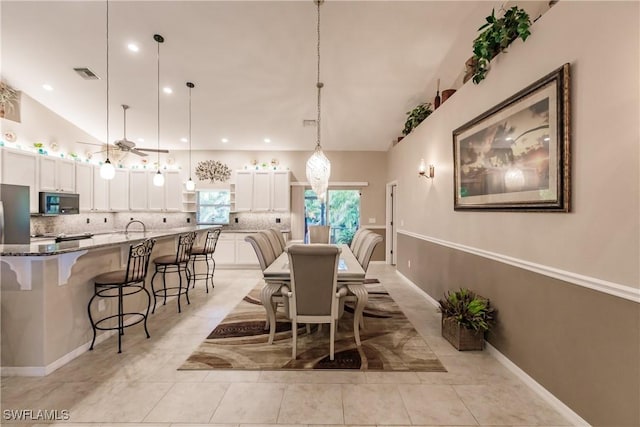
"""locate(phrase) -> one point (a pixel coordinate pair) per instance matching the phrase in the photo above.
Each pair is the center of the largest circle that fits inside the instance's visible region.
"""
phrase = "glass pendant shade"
(190, 185)
(107, 171)
(318, 172)
(158, 179)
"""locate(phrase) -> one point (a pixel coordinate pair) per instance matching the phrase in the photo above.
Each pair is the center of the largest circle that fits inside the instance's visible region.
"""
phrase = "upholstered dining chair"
(120, 284)
(205, 253)
(365, 252)
(356, 238)
(356, 243)
(176, 263)
(314, 297)
(319, 233)
(278, 233)
(272, 237)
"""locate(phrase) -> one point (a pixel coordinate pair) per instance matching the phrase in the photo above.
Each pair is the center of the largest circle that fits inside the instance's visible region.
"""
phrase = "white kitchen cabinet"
(119, 191)
(244, 191)
(261, 201)
(225, 253)
(169, 196)
(262, 191)
(138, 190)
(281, 195)
(56, 174)
(84, 186)
(21, 168)
(100, 191)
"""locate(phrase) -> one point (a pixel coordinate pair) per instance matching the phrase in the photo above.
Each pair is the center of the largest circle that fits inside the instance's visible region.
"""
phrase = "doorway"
(341, 212)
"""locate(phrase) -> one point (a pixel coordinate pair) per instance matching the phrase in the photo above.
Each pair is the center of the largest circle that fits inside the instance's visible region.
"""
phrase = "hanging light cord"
(189, 131)
(158, 58)
(107, 80)
(319, 84)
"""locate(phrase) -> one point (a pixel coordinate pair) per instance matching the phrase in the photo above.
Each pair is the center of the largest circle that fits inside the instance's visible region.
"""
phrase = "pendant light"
(107, 171)
(158, 178)
(190, 185)
(318, 166)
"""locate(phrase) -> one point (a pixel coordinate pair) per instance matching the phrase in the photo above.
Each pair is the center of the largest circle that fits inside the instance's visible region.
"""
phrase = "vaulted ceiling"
(253, 65)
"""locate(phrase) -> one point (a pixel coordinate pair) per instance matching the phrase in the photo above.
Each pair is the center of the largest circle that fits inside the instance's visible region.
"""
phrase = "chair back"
(366, 250)
(263, 249)
(138, 263)
(211, 241)
(356, 238)
(273, 240)
(319, 233)
(314, 274)
(185, 244)
(280, 237)
(357, 243)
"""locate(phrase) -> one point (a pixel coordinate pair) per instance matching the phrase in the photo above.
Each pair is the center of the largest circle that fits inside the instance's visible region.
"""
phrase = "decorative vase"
(461, 338)
(446, 94)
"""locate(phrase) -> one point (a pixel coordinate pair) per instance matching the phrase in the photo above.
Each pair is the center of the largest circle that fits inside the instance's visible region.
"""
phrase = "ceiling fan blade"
(153, 150)
(89, 143)
(138, 152)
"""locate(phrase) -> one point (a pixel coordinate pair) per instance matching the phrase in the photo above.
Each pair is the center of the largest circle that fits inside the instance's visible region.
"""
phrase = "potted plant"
(465, 318)
(416, 116)
(497, 36)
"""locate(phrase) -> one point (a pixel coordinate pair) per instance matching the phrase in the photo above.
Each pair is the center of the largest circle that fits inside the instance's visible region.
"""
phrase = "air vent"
(86, 73)
(308, 123)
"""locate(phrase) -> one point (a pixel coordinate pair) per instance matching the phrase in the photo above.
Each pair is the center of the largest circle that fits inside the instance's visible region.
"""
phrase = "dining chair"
(356, 244)
(120, 284)
(272, 237)
(204, 253)
(278, 233)
(314, 297)
(356, 238)
(365, 253)
(176, 263)
(319, 234)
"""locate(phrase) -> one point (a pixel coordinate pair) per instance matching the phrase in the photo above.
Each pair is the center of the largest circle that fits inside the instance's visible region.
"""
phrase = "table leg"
(266, 294)
(361, 294)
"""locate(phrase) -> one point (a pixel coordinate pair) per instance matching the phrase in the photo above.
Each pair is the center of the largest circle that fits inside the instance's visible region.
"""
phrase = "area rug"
(389, 341)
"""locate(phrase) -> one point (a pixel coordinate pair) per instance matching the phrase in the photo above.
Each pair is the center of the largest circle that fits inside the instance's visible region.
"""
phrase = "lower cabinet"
(233, 252)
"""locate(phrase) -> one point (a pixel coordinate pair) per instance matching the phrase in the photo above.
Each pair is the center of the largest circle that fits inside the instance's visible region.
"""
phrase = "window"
(213, 206)
(341, 212)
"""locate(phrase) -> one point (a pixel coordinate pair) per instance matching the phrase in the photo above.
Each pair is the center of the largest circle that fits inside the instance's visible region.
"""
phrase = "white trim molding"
(333, 184)
(375, 227)
(546, 395)
(604, 286)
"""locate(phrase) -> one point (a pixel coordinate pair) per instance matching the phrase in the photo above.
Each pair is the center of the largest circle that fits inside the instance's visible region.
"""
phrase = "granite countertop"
(97, 241)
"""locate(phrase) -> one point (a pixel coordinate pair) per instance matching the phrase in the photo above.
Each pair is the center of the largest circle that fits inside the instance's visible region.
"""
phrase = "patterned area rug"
(389, 341)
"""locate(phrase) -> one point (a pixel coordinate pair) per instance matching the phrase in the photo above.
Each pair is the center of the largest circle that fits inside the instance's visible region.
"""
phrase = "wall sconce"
(422, 170)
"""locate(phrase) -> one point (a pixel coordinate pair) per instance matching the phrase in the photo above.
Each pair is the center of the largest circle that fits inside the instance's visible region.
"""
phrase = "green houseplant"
(416, 116)
(466, 316)
(498, 34)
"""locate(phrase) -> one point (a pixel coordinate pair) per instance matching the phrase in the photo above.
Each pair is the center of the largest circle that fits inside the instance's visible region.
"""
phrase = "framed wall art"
(516, 156)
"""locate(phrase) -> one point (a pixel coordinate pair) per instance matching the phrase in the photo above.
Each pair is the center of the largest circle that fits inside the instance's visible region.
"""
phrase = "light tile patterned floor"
(142, 386)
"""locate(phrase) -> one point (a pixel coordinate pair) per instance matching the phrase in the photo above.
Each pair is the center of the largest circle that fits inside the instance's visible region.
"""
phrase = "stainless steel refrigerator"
(14, 214)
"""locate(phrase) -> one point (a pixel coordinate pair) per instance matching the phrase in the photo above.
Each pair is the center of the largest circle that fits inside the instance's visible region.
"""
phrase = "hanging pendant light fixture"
(318, 165)
(158, 178)
(107, 171)
(190, 185)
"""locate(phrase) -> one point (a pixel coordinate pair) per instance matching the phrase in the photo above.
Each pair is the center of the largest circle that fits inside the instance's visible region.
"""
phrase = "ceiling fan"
(129, 146)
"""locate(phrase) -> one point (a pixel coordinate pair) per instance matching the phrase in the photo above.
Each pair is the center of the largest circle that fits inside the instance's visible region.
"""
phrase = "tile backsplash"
(108, 221)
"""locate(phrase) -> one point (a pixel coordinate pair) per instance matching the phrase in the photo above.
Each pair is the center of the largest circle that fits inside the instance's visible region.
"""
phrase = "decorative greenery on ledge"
(416, 116)
(498, 34)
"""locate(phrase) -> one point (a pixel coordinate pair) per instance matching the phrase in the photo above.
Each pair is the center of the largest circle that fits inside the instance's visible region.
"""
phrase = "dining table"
(350, 276)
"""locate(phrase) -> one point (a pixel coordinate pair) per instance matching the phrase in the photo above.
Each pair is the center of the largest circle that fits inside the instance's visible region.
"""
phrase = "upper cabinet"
(21, 168)
(57, 174)
(84, 186)
(119, 191)
(262, 191)
(169, 196)
(138, 190)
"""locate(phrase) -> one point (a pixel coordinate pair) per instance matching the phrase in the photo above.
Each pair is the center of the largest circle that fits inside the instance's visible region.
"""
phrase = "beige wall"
(582, 345)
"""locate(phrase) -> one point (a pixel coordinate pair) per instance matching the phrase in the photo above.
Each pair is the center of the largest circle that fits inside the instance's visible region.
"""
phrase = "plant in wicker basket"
(213, 170)
(465, 318)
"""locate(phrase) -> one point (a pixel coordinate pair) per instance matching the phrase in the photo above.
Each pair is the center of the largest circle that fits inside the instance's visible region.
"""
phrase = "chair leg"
(164, 286)
(308, 329)
(206, 279)
(93, 325)
(332, 335)
(186, 294)
(147, 313)
(120, 319)
(193, 270)
(153, 291)
(294, 331)
(213, 271)
(179, 289)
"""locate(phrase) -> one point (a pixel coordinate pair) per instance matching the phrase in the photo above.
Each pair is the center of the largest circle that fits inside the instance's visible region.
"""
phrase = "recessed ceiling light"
(184, 140)
(47, 86)
(547, 139)
(133, 47)
(509, 138)
(167, 90)
(224, 140)
(140, 139)
(267, 140)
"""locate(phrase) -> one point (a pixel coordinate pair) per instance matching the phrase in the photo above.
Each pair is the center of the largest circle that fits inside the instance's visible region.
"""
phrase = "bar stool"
(121, 283)
(174, 264)
(205, 253)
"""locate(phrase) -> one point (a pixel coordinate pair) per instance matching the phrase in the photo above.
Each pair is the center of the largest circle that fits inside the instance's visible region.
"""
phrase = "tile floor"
(142, 386)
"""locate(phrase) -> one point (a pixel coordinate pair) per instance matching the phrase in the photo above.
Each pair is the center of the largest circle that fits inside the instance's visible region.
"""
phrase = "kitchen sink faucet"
(126, 229)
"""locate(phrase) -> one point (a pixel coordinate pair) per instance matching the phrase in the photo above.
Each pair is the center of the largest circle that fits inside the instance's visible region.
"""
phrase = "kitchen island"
(45, 288)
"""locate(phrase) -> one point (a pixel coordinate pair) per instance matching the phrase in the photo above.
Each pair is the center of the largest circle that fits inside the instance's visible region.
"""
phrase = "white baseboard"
(545, 394)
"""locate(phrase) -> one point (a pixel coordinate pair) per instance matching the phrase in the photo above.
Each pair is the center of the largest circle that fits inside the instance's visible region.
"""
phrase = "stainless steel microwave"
(59, 203)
